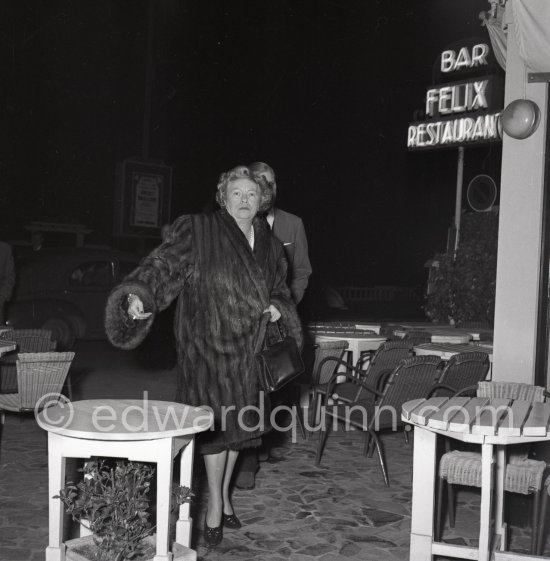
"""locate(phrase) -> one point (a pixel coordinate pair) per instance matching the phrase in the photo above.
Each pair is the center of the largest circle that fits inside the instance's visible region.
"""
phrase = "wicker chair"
(541, 538)
(28, 341)
(462, 371)
(31, 340)
(377, 370)
(411, 379)
(523, 475)
(329, 355)
(38, 374)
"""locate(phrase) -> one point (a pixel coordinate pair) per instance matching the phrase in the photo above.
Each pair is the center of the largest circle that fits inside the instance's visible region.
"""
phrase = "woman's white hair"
(244, 172)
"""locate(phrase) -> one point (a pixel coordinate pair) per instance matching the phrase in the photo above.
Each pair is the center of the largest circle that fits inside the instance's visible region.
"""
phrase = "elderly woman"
(226, 270)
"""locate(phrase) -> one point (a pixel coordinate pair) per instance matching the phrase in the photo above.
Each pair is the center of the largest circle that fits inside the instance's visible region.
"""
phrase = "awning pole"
(458, 202)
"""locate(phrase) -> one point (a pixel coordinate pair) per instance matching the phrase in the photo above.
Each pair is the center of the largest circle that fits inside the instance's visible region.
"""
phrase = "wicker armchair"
(38, 374)
(462, 371)
(377, 370)
(411, 379)
(329, 355)
(28, 341)
(523, 475)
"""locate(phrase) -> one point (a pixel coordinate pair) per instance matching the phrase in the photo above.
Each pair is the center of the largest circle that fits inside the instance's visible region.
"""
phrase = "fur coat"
(222, 287)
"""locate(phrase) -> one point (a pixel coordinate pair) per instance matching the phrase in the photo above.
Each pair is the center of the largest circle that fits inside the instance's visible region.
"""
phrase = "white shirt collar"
(270, 218)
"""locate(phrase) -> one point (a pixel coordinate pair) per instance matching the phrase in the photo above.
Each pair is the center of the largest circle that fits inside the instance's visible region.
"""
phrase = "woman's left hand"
(275, 314)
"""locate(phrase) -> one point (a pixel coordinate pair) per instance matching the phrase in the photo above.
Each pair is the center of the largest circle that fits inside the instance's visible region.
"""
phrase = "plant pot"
(84, 549)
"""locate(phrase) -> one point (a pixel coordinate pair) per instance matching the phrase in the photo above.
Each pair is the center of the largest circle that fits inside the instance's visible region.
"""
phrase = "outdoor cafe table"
(140, 430)
(357, 342)
(7, 346)
(447, 350)
(491, 423)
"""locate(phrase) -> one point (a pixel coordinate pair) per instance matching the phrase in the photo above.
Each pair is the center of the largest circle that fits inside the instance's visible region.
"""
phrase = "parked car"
(65, 289)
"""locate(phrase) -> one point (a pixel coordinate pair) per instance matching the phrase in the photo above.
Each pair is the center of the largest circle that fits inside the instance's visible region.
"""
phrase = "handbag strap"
(261, 332)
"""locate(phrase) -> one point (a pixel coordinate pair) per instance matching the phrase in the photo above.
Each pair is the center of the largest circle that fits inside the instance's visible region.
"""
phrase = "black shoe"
(231, 521)
(213, 536)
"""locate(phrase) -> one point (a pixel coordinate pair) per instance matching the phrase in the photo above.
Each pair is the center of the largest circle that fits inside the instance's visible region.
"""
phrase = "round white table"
(140, 430)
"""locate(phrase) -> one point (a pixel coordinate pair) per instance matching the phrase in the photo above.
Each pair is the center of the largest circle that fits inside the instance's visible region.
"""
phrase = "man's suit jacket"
(289, 230)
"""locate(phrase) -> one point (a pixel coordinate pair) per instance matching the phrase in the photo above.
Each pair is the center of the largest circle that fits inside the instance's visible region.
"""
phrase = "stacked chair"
(373, 410)
(28, 341)
(463, 467)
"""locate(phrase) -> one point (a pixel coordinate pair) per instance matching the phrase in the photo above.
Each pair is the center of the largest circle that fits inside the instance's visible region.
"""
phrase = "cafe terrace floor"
(337, 511)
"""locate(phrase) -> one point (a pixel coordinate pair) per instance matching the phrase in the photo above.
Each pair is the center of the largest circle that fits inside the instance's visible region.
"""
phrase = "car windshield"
(96, 273)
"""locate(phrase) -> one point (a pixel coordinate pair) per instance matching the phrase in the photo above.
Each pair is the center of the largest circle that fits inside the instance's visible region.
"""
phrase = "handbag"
(279, 362)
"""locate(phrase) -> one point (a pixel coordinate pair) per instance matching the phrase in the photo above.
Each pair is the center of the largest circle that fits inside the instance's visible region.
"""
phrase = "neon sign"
(461, 112)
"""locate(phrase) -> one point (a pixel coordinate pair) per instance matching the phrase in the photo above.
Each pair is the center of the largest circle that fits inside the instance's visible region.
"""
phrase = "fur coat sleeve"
(157, 281)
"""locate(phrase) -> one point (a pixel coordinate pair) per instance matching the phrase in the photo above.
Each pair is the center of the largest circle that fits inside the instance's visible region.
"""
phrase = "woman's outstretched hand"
(135, 308)
(275, 314)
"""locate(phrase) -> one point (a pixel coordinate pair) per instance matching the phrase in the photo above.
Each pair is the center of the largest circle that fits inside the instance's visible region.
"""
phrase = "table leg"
(422, 517)
(184, 525)
(56, 481)
(486, 500)
(500, 525)
(164, 492)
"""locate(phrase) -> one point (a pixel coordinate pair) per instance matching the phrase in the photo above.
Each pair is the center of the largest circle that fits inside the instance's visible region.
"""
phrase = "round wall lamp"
(520, 119)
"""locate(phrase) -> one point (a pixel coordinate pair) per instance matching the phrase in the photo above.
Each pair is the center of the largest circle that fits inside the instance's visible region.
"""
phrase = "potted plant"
(112, 503)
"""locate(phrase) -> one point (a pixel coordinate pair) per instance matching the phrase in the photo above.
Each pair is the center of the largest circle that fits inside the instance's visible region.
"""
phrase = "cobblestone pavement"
(340, 510)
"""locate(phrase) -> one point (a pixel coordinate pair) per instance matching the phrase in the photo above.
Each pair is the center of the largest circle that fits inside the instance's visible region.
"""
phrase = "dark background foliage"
(464, 286)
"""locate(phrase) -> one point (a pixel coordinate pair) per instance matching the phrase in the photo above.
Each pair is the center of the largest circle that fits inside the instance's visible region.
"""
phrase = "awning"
(531, 20)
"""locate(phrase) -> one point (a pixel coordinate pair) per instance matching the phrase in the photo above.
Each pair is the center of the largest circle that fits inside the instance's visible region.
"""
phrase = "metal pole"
(458, 201)
(149, 71)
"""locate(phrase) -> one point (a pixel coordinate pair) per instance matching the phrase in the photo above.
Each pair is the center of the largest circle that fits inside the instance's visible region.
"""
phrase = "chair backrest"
(324, 350)
(464, 370)
(387, 357)
(31, 340)
(411, 379)
(39, 374)
(511, 390)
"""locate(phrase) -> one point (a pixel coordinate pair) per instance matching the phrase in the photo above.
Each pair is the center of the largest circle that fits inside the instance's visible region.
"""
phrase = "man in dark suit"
(289, 230)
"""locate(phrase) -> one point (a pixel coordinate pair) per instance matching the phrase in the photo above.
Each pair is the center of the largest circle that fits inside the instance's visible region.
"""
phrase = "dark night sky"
(323, 90)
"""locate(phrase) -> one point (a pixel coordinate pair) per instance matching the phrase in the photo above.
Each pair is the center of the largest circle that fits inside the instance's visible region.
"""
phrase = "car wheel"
(62, 332)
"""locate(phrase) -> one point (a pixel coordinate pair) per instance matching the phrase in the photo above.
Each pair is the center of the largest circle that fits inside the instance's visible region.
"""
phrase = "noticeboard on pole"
(142, 198)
